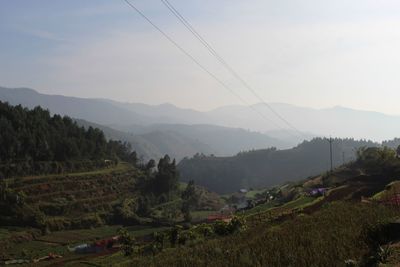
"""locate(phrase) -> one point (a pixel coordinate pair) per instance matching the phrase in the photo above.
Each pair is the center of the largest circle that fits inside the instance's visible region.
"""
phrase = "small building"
(96, 247)
(316, 192)
(219, 217)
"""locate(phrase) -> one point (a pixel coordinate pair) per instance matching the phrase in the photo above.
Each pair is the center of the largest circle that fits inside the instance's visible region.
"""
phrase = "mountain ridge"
(334, 121)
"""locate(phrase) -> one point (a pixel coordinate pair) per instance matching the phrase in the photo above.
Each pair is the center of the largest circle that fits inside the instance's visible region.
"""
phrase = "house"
(316, 192)
(219, 217)
(96, 247)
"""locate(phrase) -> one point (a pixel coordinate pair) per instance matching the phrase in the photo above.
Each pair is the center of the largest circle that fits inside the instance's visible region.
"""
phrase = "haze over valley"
(137, 118)
(200, 133)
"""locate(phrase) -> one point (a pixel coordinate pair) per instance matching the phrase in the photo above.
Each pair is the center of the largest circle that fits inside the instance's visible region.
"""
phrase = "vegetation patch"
(317, 240)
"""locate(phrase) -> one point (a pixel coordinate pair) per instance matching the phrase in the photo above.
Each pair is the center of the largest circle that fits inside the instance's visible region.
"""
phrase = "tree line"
(267, 167)
(34, 142)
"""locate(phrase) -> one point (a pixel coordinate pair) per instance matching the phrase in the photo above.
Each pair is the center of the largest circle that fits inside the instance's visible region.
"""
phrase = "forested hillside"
(153, 130)
(179, 140)
(34, 142)
(267, 167)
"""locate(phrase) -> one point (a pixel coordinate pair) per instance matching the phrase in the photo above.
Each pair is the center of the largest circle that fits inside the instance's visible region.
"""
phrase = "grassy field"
(116, 259)
(16, 232)
(253, 193)
(260, 208)
(201, 215)
(74, 236)
(299, 202)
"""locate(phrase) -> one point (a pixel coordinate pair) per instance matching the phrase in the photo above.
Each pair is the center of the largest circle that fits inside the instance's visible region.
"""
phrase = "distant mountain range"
(336, 121)
(152, 130)
(179, 141)
(165, 128)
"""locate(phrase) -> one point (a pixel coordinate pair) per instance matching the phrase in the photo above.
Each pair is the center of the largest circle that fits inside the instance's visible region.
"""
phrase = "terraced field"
(58, 243)
(344, 184)
(77, 200)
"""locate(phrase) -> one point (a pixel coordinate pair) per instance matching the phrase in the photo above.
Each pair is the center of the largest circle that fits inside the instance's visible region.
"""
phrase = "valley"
(199, 133)
(294, 217)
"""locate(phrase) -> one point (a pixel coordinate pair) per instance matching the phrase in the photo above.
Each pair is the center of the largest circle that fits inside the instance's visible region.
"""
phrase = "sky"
(314, 53)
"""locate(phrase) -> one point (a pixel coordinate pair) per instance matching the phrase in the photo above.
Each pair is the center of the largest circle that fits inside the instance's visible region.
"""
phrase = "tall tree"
(166, 179)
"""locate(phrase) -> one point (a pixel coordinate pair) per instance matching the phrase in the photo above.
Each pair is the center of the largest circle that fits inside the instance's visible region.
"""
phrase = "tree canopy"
(36, 136)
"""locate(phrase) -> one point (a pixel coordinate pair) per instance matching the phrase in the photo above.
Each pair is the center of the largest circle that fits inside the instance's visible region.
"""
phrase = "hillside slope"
(262, 168)
(155, 144)
(352, 222)
(145, 126)
(34, 142)
(67, 201)
(220, 141)
(94, 110)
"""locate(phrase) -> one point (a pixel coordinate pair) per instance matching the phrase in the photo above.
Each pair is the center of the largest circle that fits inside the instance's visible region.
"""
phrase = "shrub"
(221, 228)
(174, 235)
(127, 241)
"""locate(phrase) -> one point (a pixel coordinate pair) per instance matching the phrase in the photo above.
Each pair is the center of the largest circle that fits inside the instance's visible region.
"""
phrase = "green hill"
(349, 225)
(34, 142)
(65, 201)
(268, 167)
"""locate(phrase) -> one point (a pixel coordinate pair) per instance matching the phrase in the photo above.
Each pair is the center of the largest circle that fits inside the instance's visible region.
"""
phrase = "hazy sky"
(315, 53)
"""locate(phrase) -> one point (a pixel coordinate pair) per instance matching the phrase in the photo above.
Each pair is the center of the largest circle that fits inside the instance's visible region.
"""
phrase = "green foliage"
(186, 236)
(383, 253)
(34, 142)
(326, 238)
(127, 241)
(235, 225)
(167, 177)
(159, 240)
(174, 235)
(206, 230)
(125, 212)
(186, 212)
(379, 160)
(221, 228)
(190, 201)
(267, 167)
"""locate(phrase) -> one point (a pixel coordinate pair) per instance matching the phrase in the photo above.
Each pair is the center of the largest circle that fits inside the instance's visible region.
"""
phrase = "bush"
(128, 242)
(221, 228)
(174, 235)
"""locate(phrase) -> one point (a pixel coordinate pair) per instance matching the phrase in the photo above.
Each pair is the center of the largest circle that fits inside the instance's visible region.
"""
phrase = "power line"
(214, 53)
(198, 63)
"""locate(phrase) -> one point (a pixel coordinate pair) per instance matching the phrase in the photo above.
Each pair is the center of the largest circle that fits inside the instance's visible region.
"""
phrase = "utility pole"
(344, 161)
(330, 150)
